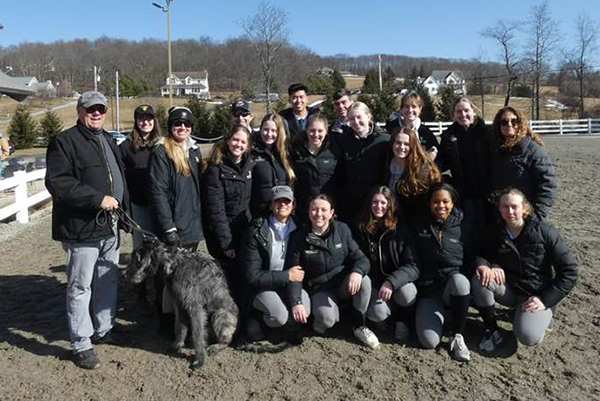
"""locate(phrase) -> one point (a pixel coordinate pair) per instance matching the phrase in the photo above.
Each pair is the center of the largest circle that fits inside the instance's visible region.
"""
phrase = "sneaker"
(254, 331)
(402, 333)
(367, 337)
(86, 359)
(459, 350)
(491, 340)
(107, 339)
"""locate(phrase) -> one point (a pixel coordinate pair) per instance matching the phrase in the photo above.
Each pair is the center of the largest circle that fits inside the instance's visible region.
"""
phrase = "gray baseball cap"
(91, 98)
(282, 191)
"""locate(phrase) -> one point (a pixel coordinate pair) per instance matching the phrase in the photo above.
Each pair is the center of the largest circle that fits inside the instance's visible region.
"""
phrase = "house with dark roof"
(186, 83)
(440, 79)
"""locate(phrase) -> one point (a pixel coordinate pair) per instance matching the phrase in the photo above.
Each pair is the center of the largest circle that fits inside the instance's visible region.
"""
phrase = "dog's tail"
(265, 348)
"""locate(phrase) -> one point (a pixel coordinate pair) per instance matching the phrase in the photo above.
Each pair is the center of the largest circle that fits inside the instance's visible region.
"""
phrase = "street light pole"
(167, 9)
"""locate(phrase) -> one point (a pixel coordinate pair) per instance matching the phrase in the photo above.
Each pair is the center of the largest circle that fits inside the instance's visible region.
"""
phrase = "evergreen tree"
(50, 126)
(338, 81)
(131, 85)
(203, 127)
(319, 84)
(23, 128)
(327, 109)
(221, 121)
(388, 78)
(428, 112)
(371, 83)
(162, 117)
(444, 105)
(381, 105)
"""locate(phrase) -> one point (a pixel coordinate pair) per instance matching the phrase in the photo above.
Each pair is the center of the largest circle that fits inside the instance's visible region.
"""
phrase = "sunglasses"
(285, 201)
(96, 108)
(241, 114)
(512, 121)
(186, 124)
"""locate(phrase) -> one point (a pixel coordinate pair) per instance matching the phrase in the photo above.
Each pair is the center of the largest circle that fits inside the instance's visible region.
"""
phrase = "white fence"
(20, 182)
(587, 126)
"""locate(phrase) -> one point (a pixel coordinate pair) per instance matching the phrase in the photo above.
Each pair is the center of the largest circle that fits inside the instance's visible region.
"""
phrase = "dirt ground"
(34, 347)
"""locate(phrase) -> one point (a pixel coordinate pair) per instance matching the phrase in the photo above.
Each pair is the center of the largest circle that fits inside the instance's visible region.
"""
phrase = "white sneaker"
(367, 337)
(459, 350)
(402, 333)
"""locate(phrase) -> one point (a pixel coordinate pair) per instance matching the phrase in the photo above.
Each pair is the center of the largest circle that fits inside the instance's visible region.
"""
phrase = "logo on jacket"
(338, 246)
(249, 175)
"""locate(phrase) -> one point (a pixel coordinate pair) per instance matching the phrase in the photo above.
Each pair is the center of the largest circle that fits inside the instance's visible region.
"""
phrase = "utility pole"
(95, 79)
(380, 79)
(117, 101)
(167, 9)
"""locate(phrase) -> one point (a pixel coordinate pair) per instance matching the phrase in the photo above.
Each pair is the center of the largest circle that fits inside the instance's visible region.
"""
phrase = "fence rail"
(20, 183)
(586, 126)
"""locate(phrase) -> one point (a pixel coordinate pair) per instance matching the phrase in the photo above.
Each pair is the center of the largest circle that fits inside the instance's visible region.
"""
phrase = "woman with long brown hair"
(410, 172)
(389, 245)
(519, 160)
(273, 165)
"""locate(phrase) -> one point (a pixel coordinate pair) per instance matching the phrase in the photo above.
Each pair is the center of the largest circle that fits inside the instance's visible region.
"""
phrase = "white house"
(188, 83)
(442, 78)
(43, 89)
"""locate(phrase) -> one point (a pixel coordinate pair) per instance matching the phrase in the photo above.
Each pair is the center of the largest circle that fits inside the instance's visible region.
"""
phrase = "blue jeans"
(93, 277)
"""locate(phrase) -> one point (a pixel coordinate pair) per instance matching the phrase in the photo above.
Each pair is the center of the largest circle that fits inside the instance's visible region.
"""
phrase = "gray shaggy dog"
(198, 286)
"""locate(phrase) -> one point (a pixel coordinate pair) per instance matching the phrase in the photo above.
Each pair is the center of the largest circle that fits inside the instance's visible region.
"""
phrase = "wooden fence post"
(21, 197)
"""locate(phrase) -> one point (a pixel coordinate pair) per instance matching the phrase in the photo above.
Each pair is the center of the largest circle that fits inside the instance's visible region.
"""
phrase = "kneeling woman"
(517, 271)
(335, 269)
(390, 247)
(263, 257)
(440, 250)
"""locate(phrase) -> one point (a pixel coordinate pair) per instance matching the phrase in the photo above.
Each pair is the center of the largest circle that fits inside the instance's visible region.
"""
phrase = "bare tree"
(543, 38)
(504, 34)
(586, 35)
(268, 33)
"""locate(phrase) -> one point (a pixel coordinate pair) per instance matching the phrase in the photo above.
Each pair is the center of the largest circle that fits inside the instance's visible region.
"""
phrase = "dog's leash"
(103, 216)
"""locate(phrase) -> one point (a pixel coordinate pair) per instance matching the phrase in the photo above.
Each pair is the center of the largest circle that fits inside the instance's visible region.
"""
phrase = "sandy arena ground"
(34, 347)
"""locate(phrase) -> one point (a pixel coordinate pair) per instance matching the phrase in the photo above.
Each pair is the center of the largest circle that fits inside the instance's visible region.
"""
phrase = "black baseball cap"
(143, 110)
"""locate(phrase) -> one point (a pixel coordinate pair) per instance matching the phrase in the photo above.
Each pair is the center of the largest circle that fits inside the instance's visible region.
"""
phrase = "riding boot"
(459, 306)
(488, 315)
(357, 318)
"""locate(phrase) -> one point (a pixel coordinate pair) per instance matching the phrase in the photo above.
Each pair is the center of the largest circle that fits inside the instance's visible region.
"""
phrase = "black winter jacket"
(528, 261)
(256, 258)
(315, 174)
(291, 125)
(467, 154)
(360, 169)
(78, 177)
(227, 188)
(268, 172)
(527, 167)
(392, 255)
(426, 137)
(136, 171)
(439, 249)
(175, 200)
(326, 261)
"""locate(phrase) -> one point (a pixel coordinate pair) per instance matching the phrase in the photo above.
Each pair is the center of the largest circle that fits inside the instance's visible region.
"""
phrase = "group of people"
(314, 222)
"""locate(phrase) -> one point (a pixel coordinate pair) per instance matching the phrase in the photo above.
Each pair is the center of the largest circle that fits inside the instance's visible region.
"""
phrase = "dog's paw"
(175, 348)
(197, 363)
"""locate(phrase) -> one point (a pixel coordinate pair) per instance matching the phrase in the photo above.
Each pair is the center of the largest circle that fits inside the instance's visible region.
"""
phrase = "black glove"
(172, 240)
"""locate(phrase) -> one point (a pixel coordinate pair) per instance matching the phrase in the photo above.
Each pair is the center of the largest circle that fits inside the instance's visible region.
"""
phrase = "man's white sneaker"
(459, 350)
(367, 337)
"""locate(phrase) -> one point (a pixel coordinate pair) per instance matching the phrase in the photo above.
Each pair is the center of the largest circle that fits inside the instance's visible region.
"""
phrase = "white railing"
(23, 202)
(586, 126)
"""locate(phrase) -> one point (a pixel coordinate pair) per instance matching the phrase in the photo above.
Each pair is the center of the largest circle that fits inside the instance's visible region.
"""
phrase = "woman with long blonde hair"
(410, 172)
(519, 160)
(273, 165)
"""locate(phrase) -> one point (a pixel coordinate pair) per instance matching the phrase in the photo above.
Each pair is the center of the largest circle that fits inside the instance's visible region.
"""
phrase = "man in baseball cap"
(241, 114)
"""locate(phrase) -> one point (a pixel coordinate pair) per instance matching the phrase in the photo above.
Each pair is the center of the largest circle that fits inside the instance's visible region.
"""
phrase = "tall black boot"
(488, 315)
(358, 319)
(459, 306)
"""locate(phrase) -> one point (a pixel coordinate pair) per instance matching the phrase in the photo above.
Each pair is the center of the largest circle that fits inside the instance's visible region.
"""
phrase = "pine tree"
(23, 128)
(371, 83)
(319, 84)
(338, 81)
(203, 127)
(428, 112)
(162, 117)
(444, 105)
(221, 121)
(50, 126)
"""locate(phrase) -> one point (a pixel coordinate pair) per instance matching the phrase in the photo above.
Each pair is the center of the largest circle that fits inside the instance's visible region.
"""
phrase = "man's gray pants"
(93, 276)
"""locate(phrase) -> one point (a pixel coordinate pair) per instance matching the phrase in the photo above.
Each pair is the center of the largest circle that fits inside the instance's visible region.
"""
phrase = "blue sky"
(432, 28)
